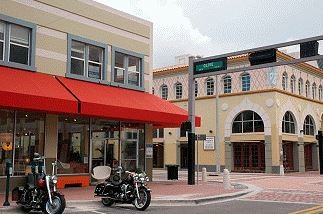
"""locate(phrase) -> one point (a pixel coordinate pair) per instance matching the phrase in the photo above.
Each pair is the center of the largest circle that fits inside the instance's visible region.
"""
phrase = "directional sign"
(210, 65)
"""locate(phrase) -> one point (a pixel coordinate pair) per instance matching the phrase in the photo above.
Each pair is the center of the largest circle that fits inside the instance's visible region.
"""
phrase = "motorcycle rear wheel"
(144, 201)
(57, 207)
(107, 202)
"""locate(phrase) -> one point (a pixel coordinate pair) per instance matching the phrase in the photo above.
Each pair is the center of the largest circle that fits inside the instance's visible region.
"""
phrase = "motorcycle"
(124, 187)
(42, 194)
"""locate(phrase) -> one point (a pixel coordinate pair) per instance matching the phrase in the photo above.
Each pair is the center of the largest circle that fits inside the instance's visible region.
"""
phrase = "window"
(247, 121)
(127, 68)
(164, 92)
(158, 133)
(227, 84)
(178, 90)
(17, 43)
(196, 88)
(314, 91)
(209, 86)
(307, 89)
(87, 59)
(308, 126)
(292, 84)
(284, 81)
(6, 136)
(288, 124)
(245, 82)
(320, 93)
(300, 86)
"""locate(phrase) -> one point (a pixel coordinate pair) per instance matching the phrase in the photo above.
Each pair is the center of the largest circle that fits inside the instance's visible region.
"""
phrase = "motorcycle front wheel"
(143, 202)
(57, 207)
(107, 202)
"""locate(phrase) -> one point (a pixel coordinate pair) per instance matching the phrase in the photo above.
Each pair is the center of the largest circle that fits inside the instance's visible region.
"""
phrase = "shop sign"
(208, 144)
(149, 150)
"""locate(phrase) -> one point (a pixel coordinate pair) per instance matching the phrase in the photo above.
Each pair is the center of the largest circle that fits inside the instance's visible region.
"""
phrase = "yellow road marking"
(312, 210)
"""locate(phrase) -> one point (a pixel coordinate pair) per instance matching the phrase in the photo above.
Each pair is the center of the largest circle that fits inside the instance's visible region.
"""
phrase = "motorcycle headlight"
(54, 179)
(147, 179)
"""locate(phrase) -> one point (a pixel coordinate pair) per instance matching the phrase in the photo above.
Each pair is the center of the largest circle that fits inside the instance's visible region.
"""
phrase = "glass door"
(129, 149)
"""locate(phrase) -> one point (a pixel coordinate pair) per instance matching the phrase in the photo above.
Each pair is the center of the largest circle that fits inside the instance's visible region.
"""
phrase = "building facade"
(268, 117)
(76, 79)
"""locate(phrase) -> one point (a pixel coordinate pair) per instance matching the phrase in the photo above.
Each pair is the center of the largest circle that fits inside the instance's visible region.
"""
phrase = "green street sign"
(210, 66)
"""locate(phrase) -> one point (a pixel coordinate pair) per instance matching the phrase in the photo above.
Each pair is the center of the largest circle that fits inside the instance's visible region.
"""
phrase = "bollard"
(226, 179)
(204, 174)
(8, 172)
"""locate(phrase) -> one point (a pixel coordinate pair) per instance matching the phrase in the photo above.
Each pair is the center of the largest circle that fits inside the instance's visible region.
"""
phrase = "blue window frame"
(86, 59)
(245, 82)
(17, 43)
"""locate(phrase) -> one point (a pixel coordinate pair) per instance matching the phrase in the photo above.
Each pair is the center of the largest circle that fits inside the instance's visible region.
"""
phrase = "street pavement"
(300, 191)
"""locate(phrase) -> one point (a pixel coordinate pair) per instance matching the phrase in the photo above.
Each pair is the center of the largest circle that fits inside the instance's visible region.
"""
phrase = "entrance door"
(308, 156)
(288, 158)
(129, 150)
(249, 157)
(102, 150)
(158, 155)
(183, 153)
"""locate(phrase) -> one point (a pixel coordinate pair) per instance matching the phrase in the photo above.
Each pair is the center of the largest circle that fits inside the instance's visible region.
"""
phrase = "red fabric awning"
(27, 90)
(124, 104)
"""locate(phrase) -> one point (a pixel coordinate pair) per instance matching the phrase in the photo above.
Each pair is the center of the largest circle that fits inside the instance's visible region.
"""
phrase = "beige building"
(75, 84)
(268, 117)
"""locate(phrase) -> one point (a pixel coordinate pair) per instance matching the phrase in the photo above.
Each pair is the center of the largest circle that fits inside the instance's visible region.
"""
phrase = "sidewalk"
(164, 192)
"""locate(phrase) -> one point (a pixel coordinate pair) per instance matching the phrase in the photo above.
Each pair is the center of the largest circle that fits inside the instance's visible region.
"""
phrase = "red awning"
(123, 104)
(34, 91)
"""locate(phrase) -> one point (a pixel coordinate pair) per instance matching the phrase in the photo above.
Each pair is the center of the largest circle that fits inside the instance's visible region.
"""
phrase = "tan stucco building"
(268, 117)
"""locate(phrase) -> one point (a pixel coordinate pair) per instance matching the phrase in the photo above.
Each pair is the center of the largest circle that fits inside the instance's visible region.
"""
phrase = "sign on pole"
(209, 143)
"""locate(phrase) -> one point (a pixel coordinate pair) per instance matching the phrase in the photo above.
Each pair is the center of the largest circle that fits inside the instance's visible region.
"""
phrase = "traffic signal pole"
(191, 132)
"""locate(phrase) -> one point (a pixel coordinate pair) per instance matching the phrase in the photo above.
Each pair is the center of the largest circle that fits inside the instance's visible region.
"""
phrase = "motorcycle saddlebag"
(16, 193)
(99, 189)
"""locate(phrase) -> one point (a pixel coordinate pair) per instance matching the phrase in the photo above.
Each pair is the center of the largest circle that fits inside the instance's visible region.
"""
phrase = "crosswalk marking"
(311, 210)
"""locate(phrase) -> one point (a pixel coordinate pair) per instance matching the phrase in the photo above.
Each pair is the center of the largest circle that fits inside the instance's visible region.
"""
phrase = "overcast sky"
(211, 27)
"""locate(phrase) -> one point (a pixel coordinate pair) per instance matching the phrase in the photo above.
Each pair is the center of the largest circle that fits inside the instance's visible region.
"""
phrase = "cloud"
(174, 33)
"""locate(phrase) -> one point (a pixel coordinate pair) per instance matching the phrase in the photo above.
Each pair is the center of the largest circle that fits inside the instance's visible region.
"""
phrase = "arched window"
(196, 88)
(178, 90)
(227, 84)
(288, 124)
(307, 89)
(300, 86)
(245, 82)
(308, 126)
(284, 81)
(320, 93)
(314, 91)
(209, 86)
(164, 92)
(292, 84)
(247, 121)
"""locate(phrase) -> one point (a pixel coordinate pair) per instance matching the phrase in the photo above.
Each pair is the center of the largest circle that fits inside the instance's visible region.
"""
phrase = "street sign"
(209, 143)
(200, 137)
(210, 65)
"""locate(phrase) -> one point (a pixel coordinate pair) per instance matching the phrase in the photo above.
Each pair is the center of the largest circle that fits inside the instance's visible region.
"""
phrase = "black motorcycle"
(125, 187)
(41, 195)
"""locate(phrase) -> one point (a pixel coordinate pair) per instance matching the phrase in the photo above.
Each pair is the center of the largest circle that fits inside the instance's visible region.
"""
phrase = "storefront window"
(133, 146)
(30, 138)
(73, 144)
(6, 138)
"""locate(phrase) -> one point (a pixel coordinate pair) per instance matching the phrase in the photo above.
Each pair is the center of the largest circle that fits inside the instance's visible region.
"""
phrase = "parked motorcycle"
(125, 187)
(42, 194)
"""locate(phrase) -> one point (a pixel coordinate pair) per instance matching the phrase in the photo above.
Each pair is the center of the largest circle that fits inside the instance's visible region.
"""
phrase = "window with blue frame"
(245, 82)
(127, 68)
(86, 59)
(17, 43)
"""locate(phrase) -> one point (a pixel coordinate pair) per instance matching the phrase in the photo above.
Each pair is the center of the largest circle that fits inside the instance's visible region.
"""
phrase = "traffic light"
(186, 126)
(262, 57)
(308, 49)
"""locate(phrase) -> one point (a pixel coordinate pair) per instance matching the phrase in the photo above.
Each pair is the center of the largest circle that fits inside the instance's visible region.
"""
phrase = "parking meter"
(8, 173)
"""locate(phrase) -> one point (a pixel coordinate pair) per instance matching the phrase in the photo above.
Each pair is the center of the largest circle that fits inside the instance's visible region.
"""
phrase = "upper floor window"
(196, 88)
(178, 90)
(284, 81)
(164, 92)
(158, 133)
(320, 93)
(209, 86)
(292, 84)
(17, 43)
(86, 59)
(300, 86)
(314, 91)
(127, 68)
(307, 89)
(247, 121)
(288, 123)
(245, 82)
(227, 85)
(308, 126)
